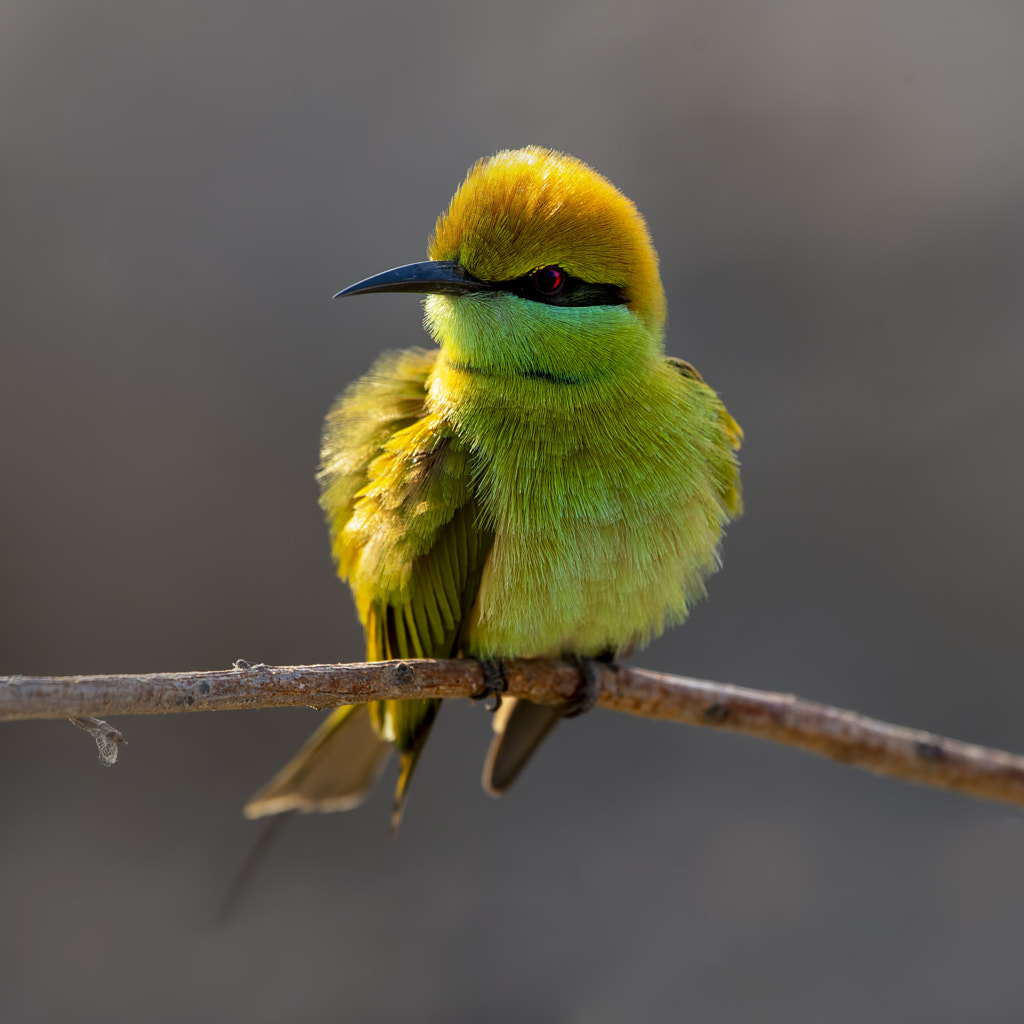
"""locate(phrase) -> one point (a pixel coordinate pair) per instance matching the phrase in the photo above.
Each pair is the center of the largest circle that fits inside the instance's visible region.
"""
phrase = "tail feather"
(520, 726)
(408, 760)
(333, 771)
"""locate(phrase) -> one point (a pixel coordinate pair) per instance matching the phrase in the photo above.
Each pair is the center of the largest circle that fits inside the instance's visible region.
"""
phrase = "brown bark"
(782, 718)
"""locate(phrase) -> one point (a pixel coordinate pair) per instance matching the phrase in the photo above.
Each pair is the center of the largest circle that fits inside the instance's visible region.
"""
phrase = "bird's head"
(539, 267)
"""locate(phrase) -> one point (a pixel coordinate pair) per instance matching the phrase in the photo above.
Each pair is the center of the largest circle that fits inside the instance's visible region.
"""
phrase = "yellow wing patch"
(406, 531)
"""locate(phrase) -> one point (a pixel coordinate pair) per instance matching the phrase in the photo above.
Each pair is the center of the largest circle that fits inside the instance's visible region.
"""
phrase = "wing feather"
(396, 489)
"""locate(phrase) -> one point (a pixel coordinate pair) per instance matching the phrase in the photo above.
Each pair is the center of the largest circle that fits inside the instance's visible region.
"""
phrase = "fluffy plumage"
(546, 483)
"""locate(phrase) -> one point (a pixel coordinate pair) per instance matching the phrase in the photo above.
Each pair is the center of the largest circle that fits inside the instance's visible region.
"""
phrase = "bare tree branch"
(830, 732)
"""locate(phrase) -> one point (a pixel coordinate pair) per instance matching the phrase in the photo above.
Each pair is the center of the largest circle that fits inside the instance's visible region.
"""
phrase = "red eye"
(548, 280)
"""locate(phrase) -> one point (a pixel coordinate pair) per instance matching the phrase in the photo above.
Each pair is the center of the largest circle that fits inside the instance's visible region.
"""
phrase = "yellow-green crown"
(523, 209)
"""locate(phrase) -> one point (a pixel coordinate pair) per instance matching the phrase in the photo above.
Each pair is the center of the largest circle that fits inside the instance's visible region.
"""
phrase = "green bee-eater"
(544, 483)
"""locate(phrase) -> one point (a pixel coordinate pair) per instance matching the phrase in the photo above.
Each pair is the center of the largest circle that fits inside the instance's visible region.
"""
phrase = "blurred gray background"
(837, 193)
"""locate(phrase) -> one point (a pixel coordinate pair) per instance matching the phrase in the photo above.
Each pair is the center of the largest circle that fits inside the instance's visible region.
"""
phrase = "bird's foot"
(589, 689)
(495, 682)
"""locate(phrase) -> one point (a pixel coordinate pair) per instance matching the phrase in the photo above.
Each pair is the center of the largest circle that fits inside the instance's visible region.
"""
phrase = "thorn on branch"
(106, 736)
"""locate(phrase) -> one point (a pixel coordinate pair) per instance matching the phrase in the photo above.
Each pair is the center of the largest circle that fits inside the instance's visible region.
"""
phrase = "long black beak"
(445, 277)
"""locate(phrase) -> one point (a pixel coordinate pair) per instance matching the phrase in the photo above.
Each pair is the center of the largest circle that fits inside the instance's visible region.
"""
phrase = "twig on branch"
(830, 732)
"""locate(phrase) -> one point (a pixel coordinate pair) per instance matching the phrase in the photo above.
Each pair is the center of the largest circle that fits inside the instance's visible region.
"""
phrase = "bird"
(543, 482)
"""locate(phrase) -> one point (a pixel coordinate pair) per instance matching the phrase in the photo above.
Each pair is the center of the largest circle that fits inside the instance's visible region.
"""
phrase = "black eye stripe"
(572, 291)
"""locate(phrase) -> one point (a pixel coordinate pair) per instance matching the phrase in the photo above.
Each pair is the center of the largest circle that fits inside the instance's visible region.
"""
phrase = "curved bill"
(445, 277)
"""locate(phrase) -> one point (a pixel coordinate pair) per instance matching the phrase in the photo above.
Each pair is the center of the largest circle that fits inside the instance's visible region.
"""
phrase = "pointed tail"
(333, 771)
(520, 727)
